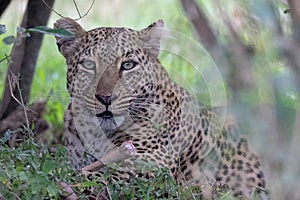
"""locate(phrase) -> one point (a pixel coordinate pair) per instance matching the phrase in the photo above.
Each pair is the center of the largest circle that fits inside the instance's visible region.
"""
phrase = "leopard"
(120, 91)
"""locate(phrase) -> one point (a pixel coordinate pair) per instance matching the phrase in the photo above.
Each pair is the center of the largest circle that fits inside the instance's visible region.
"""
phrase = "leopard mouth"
(106, 114)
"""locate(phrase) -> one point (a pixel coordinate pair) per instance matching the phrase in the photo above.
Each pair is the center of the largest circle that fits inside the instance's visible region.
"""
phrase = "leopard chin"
(110, 125)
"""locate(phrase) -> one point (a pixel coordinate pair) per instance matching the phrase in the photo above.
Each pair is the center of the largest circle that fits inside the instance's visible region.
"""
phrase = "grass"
(30, 171)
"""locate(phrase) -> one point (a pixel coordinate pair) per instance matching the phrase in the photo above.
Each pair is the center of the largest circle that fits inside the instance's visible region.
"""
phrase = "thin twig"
(16, 196)
(47, 5)
(108, 193)
(5, 58)
(80, 17)
(11, 88)
(186, 184)
(88, 10)
(24, 107)
(77, 9)
(13, 96)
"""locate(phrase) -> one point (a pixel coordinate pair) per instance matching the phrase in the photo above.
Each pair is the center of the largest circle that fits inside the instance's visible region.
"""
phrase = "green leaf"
(9, 40)
(20, 169)
(2, 29)
(60, 32)
(90, 184)
(52, 190)
(49, 165)
(23, 176)
(21, 30)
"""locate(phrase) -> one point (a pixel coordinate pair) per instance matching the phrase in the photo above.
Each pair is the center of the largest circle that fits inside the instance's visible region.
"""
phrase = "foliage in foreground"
(30, 171)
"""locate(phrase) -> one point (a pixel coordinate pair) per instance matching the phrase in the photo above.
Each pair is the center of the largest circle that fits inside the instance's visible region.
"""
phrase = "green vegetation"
(30, 171)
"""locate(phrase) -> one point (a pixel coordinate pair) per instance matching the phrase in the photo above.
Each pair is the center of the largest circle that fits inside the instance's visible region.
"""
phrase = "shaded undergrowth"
(29, 170)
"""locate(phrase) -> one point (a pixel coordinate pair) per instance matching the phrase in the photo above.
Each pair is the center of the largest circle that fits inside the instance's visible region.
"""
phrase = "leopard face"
(104, 78)
(120, 91)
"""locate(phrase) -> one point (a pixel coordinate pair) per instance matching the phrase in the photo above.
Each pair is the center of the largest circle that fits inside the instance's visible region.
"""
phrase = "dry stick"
(109, 195)
(105, 194)
(13, 96)
(16, 196)
(67, 188)
(126, 150)
(186, 184)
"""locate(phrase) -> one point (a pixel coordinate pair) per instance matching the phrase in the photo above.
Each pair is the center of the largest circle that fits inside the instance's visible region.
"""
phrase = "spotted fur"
(120, 91)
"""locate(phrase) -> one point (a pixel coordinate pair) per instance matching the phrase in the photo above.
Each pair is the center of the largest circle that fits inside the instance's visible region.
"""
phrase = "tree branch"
(200, 23)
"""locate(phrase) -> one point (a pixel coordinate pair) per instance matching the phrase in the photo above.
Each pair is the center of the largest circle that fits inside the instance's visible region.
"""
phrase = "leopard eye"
(128, 65)
(88, 64)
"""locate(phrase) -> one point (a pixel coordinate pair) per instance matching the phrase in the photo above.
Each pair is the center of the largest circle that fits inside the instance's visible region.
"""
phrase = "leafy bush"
(31, 171)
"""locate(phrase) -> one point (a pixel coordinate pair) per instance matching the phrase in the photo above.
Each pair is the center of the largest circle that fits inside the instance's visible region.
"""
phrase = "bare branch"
(12, 83)
(77, 9)
(53, 10)
(91, 6)
(68, 189)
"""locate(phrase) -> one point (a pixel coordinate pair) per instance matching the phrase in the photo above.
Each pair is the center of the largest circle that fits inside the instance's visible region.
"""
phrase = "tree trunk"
(24, 57)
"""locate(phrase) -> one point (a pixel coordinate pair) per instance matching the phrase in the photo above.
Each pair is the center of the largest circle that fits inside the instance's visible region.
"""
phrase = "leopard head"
(112, 72)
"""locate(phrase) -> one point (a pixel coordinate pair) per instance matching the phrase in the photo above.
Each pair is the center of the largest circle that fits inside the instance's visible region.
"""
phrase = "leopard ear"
(151, 37)
(67, 45)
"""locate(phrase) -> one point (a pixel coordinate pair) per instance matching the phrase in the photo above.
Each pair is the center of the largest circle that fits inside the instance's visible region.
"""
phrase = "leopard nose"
(104, 99)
